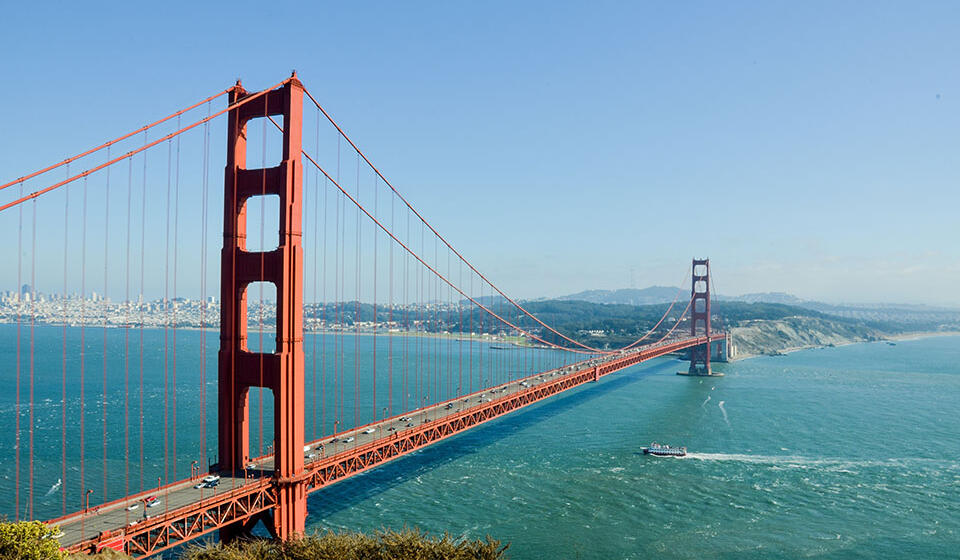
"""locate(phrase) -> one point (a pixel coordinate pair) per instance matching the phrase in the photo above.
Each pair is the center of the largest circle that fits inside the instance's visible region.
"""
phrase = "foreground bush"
(409, 544)
(28, 540)
(32, 540)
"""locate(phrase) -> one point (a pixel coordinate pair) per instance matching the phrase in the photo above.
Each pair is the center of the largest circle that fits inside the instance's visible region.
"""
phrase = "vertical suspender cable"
(141, 303)
(325, 328)
(33, 322)
(166, 324)
(106, 313)
(336, 311)
(316, 253)
(436, 321)
(460, 344)
(204, 221)
(173, 305)
(447, 319)
(375, 201)
(470, 354)
(356, 319)
(405, 373)
(338, 305)
(16, 445)
(83, 323)
(126, 341)
(421, 395)
(63, 355)
(483, 325)
(390, 319)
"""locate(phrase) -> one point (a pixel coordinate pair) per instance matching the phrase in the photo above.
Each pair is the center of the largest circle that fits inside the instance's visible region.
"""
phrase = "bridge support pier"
(283, 370)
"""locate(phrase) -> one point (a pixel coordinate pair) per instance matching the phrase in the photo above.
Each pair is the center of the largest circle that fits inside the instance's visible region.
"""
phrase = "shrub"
(409, 544)
(29, 540)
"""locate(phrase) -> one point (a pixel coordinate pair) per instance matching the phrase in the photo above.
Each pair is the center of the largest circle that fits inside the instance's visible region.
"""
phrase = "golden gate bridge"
(330, 283)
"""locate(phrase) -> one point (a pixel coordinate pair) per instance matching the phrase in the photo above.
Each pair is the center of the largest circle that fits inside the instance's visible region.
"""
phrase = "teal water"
(850, 452)
(161, 386)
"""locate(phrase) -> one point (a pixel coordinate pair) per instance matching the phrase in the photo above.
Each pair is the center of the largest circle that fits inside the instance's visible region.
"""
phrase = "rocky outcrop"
(756, 337)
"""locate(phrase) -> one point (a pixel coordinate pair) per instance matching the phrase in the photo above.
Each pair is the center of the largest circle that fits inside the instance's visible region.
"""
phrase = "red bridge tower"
(240, 369)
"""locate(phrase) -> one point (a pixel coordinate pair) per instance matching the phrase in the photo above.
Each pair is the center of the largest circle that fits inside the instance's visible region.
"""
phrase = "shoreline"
(252, 329)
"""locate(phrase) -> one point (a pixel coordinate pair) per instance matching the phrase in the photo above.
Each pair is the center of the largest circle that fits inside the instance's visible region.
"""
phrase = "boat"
(664, 450)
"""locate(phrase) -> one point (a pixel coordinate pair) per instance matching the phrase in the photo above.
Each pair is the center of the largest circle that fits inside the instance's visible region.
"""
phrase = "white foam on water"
(704, 404)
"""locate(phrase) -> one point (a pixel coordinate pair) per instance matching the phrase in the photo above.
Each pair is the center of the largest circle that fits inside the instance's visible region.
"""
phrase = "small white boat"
(664, 450)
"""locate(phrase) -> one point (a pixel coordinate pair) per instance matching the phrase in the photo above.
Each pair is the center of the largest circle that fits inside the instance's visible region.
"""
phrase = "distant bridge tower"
(700, 318)
(281, 371)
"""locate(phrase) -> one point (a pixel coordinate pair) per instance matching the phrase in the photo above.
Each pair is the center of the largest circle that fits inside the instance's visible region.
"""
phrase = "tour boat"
(664, 450)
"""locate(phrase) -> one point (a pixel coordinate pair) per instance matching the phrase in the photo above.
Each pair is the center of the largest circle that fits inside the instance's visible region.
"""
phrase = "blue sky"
(805, 147)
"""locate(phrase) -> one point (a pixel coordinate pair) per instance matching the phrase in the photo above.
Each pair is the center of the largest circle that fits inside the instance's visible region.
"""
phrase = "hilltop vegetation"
(409, 544)
(34, 540)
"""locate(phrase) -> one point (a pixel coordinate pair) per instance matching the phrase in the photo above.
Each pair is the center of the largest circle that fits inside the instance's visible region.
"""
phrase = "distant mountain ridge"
(626, 296)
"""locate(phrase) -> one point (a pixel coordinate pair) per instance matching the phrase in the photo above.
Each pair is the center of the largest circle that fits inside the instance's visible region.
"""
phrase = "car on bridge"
(209, 481)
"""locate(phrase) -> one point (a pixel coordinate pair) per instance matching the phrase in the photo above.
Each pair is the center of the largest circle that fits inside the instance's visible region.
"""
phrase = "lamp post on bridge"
(335, 438)
(86, 500)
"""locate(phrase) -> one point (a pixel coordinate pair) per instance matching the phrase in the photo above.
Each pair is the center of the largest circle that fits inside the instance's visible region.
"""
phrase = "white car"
(369, 431)
(348, 439)
(132, 507)
(211, 478)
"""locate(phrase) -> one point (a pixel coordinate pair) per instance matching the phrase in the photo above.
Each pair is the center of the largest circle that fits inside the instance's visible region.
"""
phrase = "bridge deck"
(185, 512)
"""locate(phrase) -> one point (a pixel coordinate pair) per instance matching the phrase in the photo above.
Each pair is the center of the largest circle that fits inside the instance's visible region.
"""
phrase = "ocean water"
(849, 452)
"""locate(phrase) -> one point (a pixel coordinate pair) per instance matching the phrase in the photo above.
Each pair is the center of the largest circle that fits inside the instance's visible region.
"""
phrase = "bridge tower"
(700, 318)
(283, 370)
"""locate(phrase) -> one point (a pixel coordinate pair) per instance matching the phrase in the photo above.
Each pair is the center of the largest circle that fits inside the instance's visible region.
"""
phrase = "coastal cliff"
(762, 336)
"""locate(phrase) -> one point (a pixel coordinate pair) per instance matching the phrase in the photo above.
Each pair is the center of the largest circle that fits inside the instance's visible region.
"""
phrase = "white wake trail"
(724, 411)
(54, 488)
